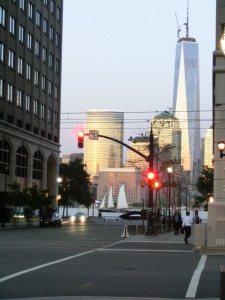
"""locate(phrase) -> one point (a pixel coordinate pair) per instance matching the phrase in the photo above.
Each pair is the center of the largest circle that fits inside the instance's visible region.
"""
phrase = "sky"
(120, 55)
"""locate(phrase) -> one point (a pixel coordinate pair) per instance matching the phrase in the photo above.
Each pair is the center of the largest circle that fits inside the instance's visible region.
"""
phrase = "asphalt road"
(93, 260)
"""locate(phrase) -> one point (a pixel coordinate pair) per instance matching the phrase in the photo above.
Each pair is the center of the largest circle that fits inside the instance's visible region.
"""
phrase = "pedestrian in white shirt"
(187, 226)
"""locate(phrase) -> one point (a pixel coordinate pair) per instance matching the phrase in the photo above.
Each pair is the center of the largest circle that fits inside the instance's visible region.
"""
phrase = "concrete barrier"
(132, 230)
(200, 236)
(140, 229)
(125, 232)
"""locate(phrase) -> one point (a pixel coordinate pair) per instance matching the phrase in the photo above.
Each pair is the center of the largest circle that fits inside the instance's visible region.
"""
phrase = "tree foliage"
(204, 186)
(75, 184)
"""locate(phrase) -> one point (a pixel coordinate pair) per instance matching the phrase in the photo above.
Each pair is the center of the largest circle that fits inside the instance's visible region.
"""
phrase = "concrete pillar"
(216, 213)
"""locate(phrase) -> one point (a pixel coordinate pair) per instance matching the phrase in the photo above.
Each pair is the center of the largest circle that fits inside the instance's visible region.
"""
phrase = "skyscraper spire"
(187, 23)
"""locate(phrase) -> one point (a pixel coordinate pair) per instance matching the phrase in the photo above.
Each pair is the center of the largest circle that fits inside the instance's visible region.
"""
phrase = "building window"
(22, 4)
(51, 33)
(11, 59)
(27, 102)
(1, 87)
(57, 40)
(57, 66)
(56, 92)
(55, 118)
(43, 82)
(20, 66)
(49, 116)
(38, 18)
(58, 14)
(36, 77)
(19, 98)
(10, 93)
(45, 2)
(44, 54)
(37, 48)
(37, 165)
(21, 162)
(21, 33)
(50, 60)
(12, 24)
(29, 41)
(50, 84)
(4, 157)
(45, 26)
(30, 10)
(52, 7)
(42, 111)
(35, 107)
(28, 72)
(2, 16)
(2, 51)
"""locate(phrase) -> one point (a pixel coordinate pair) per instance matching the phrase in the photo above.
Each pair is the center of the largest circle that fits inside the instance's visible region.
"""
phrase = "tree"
(204, 186)
(75, 184)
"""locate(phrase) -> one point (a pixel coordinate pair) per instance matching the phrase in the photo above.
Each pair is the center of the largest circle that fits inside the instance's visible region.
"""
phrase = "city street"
(93, 260)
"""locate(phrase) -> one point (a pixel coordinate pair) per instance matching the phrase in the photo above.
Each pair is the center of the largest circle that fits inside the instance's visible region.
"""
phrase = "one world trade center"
(186, 104)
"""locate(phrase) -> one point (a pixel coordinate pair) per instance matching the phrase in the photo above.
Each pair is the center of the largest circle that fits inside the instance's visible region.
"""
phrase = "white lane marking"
(43, 266)
(52, 263)
(192, 289)
(144, 250)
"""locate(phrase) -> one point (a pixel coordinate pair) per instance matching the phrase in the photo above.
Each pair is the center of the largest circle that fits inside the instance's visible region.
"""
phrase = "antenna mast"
(187, 24)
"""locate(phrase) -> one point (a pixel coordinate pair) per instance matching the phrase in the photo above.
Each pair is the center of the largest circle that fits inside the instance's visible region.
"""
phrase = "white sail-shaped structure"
(103, 202)
(110, 199)
(122, 202)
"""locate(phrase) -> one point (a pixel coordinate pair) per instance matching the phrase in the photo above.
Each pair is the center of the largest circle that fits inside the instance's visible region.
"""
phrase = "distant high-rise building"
(134, 160)
(30, 92)
(186, 103)
(208, 148)
(103, 153)
(167, 132)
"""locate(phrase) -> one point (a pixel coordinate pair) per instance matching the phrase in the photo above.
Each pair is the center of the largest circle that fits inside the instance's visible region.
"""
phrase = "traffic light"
(80, 139)
(151, 177)
(157, 185)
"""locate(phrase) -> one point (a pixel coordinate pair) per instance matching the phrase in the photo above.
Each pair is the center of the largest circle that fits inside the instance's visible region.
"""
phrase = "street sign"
(93, 134)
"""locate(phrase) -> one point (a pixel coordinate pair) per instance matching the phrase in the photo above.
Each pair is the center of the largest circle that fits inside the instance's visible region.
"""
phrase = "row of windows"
(27, 126)
(52, 62)
(21, 161)
(30, 10)
(54, 36)
(39, 109)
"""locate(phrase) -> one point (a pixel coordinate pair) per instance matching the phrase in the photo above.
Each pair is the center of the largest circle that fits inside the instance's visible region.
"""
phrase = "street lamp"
(59, 180)
(221, 147)
(169, 170)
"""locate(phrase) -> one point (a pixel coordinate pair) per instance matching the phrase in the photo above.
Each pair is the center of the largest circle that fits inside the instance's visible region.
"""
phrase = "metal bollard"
(222, 282)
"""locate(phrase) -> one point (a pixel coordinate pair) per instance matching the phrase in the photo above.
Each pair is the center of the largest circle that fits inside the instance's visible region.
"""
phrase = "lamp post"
(59, 180)
(6, 171)
(169, 170)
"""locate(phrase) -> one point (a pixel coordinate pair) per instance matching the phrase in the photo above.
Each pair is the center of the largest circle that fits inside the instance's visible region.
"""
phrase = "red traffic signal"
(151, 176)
(157, 185)
(80, 139)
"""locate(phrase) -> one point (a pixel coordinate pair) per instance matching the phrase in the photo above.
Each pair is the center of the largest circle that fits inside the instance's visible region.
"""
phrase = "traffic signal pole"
(150, 226)
(149, 159)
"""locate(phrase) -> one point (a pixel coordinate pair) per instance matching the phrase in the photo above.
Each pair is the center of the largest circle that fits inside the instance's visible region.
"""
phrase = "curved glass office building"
(103, 153)
(186, 104)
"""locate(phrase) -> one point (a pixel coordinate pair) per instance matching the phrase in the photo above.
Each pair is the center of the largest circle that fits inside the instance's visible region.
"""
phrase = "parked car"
(50, 219)
(78, 217)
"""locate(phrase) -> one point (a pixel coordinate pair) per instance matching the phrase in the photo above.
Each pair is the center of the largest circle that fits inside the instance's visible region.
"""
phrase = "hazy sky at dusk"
(120, 54)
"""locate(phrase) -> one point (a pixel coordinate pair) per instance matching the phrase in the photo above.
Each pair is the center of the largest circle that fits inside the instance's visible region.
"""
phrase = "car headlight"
(72, 219)
(82, 219)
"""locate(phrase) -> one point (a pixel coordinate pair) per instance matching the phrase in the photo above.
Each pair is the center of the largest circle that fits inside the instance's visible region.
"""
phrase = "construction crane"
(178, 27)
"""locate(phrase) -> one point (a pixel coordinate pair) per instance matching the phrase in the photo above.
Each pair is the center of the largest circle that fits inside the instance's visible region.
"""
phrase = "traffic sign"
(93, 134)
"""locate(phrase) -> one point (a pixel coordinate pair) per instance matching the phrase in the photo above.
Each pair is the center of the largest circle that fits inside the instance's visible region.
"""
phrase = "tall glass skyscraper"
(186, 104)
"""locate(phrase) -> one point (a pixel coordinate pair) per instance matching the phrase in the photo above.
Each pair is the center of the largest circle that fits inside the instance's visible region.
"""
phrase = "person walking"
(187, 226)
(177, 221)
